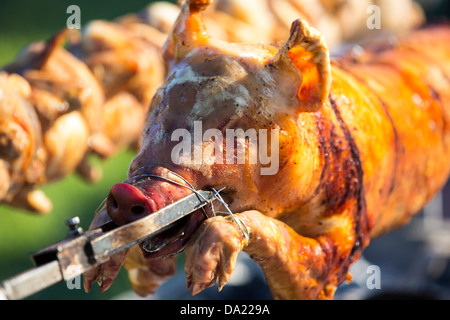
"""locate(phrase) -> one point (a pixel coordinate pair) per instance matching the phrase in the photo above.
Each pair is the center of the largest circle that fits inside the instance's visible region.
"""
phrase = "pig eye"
(227, 194)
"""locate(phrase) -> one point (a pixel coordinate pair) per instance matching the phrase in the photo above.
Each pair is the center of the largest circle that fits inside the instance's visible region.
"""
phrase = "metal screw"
(74, 230)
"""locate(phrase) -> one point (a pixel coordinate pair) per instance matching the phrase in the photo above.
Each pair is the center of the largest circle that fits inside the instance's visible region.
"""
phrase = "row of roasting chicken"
(83, 93)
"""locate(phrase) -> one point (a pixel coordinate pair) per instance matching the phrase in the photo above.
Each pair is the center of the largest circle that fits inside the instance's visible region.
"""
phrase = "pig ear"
(303, 64)
(189, 31)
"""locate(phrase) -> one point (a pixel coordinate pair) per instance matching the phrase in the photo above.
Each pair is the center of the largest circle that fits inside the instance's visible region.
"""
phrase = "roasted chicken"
(87, 97)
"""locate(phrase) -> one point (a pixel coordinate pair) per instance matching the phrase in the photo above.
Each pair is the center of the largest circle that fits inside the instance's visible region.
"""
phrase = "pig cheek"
(164, 193)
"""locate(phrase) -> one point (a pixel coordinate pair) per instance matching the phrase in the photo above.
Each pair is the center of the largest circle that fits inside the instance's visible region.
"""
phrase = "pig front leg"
(212, 252)
(295, 267)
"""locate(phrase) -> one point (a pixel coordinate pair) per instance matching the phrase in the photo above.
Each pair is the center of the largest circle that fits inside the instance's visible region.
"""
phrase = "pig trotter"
(106, 273)
(212, 252)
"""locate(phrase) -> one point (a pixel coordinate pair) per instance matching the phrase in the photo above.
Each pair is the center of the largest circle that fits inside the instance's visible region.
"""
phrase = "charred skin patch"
(355, 179)
(341, 187)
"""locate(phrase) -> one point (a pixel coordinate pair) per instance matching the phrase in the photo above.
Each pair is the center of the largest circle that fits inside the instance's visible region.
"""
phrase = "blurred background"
(414, 261)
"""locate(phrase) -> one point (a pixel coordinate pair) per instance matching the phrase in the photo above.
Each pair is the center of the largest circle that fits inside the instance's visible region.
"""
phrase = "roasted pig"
(314, 156)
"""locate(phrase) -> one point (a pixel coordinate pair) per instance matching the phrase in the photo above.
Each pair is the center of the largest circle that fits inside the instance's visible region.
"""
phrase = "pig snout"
(142, 195)
(126, 203)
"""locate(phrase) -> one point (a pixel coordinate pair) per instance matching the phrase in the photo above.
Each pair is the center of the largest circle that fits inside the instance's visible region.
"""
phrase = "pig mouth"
(172, 240)
(145, 192)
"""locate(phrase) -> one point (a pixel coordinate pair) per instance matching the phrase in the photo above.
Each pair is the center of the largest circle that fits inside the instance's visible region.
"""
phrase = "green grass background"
(21, 233)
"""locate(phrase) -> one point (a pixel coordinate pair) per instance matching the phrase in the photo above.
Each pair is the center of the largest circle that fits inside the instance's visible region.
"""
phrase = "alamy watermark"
(374, 279)
(241, 147)
(374, 20)
(74, 20)
(74, 283)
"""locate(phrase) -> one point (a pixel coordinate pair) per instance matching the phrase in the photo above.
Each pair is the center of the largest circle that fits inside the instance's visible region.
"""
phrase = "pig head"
(237, 117)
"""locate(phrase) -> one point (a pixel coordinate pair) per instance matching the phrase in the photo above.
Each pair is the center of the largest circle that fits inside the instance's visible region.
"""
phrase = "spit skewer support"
(82, 251)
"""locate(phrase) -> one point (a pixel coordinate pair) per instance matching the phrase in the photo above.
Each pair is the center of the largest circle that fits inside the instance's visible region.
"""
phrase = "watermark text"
(237, 147)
